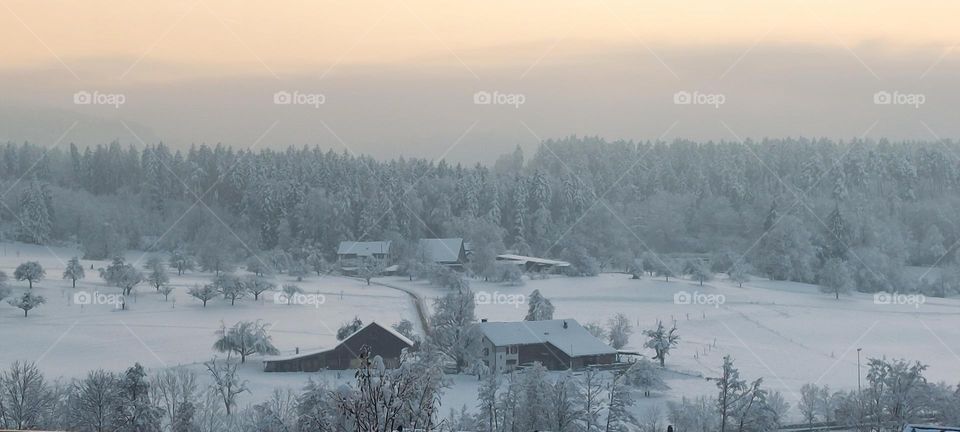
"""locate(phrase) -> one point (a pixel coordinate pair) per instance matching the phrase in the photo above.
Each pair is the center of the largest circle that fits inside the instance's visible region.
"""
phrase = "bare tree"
(226, 383)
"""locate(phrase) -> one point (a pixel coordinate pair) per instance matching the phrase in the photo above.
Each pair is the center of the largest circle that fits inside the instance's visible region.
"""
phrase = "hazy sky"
(400, 76)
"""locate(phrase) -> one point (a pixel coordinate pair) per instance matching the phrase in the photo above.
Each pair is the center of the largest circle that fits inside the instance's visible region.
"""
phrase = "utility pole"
(859, 389)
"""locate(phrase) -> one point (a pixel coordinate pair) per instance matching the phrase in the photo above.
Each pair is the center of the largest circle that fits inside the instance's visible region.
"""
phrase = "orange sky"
(99, 39)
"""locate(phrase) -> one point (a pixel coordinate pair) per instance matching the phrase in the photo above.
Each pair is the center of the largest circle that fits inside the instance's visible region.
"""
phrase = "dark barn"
(382, 341)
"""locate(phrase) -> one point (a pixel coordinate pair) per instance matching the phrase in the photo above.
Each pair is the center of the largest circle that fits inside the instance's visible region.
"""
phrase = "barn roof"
(442, 249)
(363, 248)
(302, 354)
(574, 340)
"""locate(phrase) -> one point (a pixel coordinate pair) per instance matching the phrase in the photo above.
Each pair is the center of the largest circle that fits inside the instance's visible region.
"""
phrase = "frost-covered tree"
(25, 397)
(230, 287)
(204, 293)
(592, 403)
(619, 416)
(158, 276)
(93, 402)
(786, 251)
(317, 263)
(596, 329)
(661, 341)
(227, 385)
(27, 302)
(245, 338)
(36, 222)
(135, 412)
(453, 330)
(182, 261)
(256, 266)
(619, 331)
(740, 272)
(369, 269)
(257, 285)
(4, 288)
(316, 410)
(732, 392)
(176, 391)
(73, 271)
(698, 270)
(30, 271)
(645, 376)
(895, 393)
(834, 278)
(348, 328)
(123, 275)
(539, 307)
(290, 291)
(405, 327)
(384, 399)
(698, 414)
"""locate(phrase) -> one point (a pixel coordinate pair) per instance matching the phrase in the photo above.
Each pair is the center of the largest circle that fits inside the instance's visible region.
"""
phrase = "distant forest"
(789, 209)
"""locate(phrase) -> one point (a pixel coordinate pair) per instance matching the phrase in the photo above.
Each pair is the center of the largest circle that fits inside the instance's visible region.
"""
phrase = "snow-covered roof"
(320, 351)
(387, 328)
(363, 248)
(918, 428)
(525, 259)
(574, 340)
(442, 250)
(292, 356)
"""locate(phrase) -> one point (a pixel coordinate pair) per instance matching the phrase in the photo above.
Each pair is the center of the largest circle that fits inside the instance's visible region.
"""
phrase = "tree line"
(848, 214)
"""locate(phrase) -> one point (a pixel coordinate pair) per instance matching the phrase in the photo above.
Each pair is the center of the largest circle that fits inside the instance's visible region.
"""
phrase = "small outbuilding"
(382, 341)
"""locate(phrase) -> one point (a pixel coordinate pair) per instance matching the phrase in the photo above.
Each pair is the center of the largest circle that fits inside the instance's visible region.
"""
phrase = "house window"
(486, 351)
(514, 349)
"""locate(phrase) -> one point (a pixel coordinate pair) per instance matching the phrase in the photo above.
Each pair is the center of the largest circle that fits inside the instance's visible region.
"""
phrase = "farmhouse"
(557, 344)
(350, 253)
(533, 264)
(382, 341)
(451, 252)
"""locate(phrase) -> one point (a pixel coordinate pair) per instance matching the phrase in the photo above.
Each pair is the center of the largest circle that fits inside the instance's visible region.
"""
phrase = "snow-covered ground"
(787, 333)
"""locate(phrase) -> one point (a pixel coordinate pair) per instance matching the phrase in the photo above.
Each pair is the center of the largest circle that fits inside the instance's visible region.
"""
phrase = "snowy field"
(787, 333)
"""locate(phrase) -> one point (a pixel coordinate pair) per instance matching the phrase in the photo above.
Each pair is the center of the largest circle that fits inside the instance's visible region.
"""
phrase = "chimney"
(483, 320)
(297, 350)
(564, 324)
